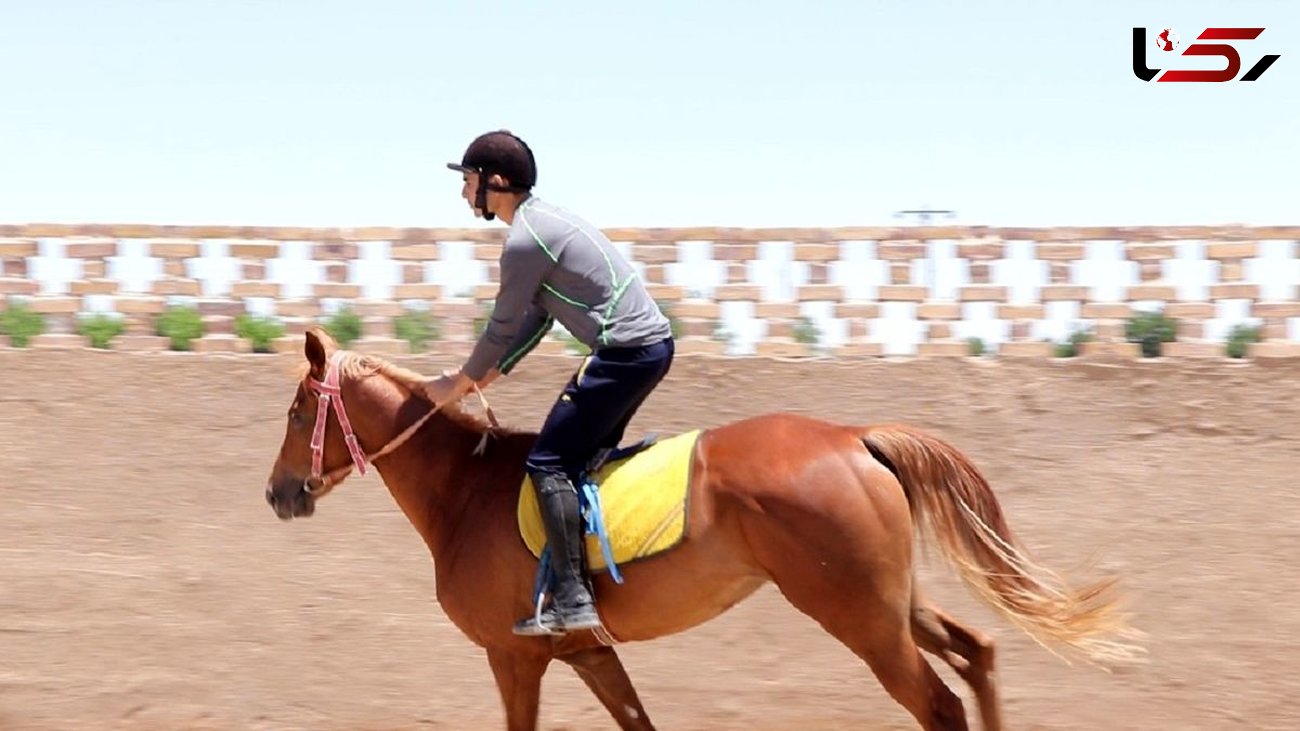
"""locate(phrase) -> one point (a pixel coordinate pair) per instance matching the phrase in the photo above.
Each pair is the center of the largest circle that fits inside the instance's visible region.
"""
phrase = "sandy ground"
(144, 583)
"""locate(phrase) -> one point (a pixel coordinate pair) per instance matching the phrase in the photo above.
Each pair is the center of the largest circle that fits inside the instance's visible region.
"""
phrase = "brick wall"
(1021, 286)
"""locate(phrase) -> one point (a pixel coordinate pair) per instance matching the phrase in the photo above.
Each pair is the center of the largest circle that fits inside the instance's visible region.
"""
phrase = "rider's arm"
(537, 323)
(527, 339)
(524, 266)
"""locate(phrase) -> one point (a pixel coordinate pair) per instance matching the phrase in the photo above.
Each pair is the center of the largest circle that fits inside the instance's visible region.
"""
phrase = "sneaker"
(554, 622)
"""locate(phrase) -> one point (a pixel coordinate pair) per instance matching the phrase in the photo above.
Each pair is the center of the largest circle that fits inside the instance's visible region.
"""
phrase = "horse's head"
(318, 451)
(335, 396)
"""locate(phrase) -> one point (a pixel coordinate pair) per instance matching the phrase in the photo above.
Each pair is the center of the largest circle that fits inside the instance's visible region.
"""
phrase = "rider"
(556, 266)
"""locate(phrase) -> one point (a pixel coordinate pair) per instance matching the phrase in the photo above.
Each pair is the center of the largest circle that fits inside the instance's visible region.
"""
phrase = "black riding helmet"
(498, 153)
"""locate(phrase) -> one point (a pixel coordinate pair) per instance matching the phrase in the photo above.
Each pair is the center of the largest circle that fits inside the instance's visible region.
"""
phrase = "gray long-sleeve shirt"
(555, 266)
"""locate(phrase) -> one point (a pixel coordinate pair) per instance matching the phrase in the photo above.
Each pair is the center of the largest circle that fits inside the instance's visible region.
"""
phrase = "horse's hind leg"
(853, 601)
(876, 633)
(968, 651)
(603, 672)
(898, 664)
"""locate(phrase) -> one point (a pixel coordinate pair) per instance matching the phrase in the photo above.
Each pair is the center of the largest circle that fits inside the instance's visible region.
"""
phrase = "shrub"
(975, 347)
(1151, 329)
(674, 324)
(259, 330)
(21, 323)
(1070, 347)
(805, 331)
(416, 327)
(574, 345)
(100, 328)
(344, 326)
(722, 334)
(1240, 338)
(181, 325)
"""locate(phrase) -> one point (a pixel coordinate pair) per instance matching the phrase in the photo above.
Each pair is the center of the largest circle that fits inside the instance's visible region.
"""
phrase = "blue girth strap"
(596, 524)
(593, 523)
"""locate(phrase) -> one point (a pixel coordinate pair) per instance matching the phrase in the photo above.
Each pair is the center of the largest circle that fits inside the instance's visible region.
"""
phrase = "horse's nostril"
(270, 497)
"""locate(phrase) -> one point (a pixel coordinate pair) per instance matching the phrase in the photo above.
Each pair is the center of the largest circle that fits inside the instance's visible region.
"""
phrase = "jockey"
(556, 266)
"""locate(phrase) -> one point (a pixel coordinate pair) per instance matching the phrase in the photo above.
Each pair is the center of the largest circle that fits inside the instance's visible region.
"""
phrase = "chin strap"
(480, 198)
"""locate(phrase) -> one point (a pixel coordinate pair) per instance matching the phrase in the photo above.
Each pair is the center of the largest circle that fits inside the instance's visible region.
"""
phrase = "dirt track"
(144, 583)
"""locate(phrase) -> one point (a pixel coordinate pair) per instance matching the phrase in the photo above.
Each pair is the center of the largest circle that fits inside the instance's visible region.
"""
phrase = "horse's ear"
(316, 349)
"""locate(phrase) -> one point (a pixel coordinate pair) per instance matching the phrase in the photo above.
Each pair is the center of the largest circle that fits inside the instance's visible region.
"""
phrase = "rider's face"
(469, 190)
(495, 199)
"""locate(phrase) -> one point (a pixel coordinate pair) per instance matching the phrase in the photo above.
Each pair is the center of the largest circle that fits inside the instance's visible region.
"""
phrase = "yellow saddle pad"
(642, 498)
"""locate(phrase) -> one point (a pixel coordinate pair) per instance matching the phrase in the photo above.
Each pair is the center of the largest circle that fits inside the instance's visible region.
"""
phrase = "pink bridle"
(329, 391)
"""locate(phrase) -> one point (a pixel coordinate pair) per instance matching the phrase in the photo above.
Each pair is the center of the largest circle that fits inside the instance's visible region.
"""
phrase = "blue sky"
(646, 114)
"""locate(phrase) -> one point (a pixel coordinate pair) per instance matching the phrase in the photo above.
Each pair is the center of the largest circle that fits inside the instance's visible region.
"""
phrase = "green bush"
(722, 334)
(416, 327)
(344, 326)
(100, 328)
(21, 323)
(975, 347)
(1151, 329)
(181, 325)
(1070, 348)
(1240, 338)
(261, 331)
(805, 331)
(572, 344)
(674, 324)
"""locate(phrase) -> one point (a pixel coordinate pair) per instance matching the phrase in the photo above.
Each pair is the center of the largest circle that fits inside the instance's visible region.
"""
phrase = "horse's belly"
(675, 591)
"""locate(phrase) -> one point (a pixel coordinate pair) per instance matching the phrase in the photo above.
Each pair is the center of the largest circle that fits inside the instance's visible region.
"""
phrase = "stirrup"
(535, 627)
(552, 622)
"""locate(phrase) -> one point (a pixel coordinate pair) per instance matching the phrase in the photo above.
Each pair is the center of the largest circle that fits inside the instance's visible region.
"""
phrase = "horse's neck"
(441, 485)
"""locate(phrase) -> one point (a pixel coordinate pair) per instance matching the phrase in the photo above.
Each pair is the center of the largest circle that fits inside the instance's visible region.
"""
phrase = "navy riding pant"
(596, 405)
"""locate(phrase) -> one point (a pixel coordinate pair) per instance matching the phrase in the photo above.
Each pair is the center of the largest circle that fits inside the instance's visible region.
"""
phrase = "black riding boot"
(572, 606)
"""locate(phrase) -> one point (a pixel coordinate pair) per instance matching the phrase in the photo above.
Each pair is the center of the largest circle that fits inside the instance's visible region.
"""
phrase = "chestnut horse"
(825, 511)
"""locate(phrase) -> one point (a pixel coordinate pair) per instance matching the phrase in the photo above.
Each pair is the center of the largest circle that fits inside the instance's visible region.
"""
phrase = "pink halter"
(330, 392)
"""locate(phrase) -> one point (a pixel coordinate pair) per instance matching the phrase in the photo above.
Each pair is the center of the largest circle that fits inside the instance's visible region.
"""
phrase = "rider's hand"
(447, 388)
(489, 378)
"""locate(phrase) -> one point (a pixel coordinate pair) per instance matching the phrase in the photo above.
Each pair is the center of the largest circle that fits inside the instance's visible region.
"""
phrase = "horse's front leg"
(603, 672)
(519, 680)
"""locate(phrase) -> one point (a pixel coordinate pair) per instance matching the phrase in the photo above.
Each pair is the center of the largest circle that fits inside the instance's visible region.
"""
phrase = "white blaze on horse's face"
(285, 490)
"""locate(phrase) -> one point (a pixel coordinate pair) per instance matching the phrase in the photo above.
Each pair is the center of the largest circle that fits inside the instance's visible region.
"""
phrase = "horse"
(826, 511)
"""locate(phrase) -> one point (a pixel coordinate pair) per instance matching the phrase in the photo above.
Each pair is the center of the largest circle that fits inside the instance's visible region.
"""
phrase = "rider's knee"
(548, 480)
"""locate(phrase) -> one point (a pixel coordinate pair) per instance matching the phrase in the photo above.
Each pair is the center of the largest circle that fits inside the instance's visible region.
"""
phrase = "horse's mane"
(362, 365)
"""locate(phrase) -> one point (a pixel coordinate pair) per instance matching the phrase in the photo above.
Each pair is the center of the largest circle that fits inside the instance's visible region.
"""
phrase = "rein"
(330, 392)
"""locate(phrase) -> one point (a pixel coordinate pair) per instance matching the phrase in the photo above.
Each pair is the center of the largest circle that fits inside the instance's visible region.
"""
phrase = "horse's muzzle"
(297, 504)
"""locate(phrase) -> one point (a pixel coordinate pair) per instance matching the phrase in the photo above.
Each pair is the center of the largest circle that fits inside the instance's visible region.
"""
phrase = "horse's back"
(797, 466)
(780, 440)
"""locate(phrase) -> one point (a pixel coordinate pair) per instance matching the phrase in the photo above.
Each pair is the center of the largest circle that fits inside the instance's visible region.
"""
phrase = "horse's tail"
(948, 494)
